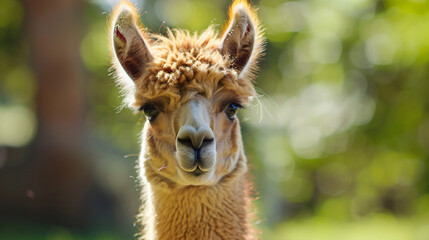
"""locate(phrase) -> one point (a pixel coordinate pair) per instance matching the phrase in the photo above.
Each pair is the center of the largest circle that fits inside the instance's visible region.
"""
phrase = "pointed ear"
(131, 54)
(242, 38)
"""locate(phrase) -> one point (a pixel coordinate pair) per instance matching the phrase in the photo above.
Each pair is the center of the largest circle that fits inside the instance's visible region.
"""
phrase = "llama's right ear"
(131, 53)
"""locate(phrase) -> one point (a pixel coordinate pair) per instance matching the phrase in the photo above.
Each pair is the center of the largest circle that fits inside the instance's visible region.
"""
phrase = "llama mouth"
(197, 172)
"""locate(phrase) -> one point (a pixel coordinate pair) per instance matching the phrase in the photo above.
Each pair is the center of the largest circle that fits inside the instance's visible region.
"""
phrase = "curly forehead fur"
(186, 64)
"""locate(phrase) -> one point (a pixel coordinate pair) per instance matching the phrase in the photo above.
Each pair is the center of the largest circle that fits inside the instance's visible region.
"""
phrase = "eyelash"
(150, 111)
(232, 109)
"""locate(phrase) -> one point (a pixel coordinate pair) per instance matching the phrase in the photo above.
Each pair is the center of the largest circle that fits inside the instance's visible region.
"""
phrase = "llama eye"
(232, 110)
(150, 112)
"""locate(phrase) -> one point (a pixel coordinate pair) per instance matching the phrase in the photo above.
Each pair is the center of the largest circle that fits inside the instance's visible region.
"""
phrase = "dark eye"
(232, 110)
(150, 112)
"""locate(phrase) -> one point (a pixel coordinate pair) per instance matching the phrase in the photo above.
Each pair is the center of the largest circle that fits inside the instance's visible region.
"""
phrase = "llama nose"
(195, 138)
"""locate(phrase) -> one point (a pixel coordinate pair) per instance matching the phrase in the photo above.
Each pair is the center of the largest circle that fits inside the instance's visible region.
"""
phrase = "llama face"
(189, 87)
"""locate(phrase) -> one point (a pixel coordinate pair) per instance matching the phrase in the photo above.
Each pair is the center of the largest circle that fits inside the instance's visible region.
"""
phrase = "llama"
(192, 164)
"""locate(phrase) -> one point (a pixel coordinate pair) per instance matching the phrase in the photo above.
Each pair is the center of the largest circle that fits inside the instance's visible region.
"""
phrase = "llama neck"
(198, 212)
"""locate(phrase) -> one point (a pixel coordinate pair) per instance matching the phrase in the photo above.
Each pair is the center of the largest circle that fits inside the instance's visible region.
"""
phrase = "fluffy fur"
(188, 62)
(172, 73)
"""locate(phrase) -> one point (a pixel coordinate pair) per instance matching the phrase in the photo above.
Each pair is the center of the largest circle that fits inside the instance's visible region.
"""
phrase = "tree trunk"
(54, 178)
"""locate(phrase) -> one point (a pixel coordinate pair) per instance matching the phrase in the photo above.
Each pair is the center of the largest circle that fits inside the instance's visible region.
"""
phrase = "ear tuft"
(242, 39)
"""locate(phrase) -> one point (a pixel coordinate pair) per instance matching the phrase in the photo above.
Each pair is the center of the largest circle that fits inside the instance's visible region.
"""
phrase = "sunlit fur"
(191, 82)
(237, 8)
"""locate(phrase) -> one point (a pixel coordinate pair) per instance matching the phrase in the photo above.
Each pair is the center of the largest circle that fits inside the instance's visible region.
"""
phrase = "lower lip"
(197, 172)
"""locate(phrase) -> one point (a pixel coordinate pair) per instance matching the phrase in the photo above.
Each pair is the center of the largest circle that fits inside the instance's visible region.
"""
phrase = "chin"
(197, 177)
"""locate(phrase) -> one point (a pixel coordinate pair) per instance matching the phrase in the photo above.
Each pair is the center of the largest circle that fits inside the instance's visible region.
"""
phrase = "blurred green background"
(338, 141)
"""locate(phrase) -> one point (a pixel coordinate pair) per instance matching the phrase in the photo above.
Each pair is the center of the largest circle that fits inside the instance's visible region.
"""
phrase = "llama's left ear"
(242, 39)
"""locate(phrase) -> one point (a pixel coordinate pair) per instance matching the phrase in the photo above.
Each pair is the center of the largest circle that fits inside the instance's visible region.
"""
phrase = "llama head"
(189, 87)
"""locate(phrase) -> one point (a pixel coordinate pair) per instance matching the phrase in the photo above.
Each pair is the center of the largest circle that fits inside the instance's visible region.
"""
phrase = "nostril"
(207, 141)
(186, 141)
